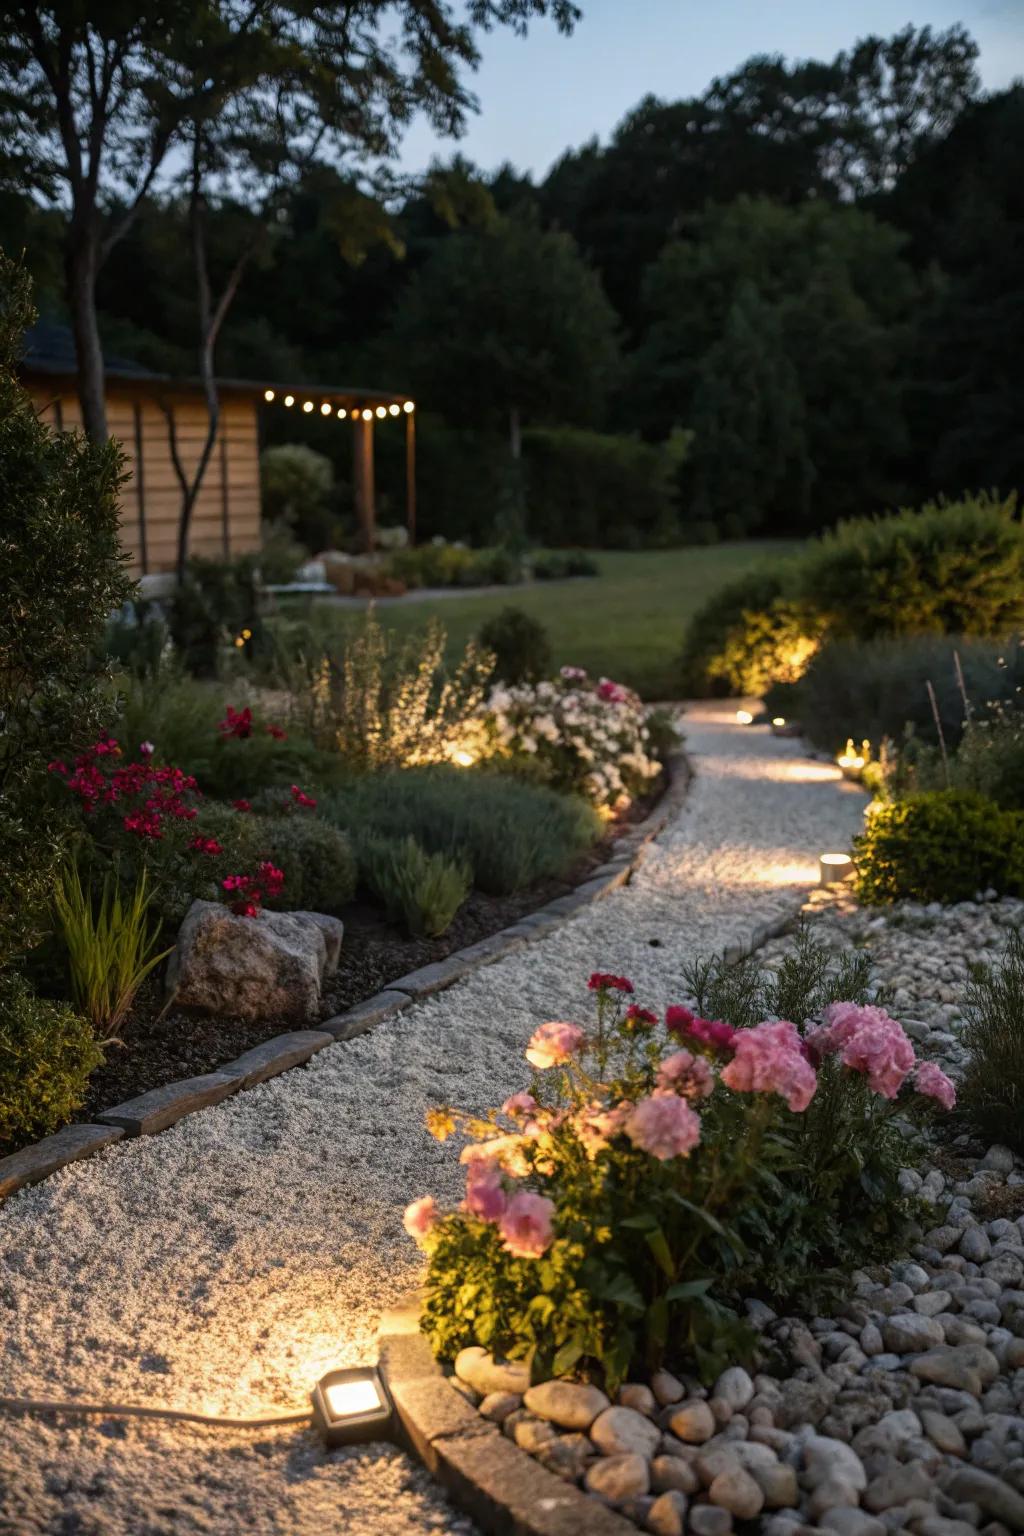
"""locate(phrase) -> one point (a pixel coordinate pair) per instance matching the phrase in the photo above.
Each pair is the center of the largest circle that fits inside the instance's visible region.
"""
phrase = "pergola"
(362, 409)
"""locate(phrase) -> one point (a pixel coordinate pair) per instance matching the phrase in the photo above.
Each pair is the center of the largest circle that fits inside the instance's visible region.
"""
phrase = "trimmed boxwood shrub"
(317, 859)
(522, 651)
(47, 1052)
(943, 845)
(513, 834)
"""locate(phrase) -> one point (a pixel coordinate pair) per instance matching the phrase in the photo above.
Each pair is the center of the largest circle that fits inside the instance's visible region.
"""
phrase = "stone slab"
(45, 1157)
(365, 1015)
(161, 1107)
(495, 947)
(276, 1056)
(434, 978)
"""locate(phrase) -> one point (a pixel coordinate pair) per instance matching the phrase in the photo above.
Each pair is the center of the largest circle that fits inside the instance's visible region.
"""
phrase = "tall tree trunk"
(81, 262)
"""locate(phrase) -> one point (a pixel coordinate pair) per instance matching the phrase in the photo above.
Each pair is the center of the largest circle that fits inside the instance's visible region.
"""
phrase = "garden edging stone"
(160, 1108)
(505, 1490)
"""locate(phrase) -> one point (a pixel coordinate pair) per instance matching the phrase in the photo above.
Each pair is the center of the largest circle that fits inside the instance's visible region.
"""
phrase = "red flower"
(604, 981)
(245, 908)
(57, 767)
(144, 824)
(639, 1020)
(236, 723)
(208, 845)
(302, 799)
(253, 889)
(277, 733)
(241, 805)
(687, 1026)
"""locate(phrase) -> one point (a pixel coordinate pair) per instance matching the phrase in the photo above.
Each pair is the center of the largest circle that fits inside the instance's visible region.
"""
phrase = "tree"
(506, 326)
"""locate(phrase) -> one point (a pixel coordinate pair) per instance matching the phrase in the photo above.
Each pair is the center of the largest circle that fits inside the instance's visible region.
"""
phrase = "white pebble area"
(229, 1262)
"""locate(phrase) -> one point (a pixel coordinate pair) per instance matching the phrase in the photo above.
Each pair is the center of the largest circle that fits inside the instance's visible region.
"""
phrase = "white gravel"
(230, 1261)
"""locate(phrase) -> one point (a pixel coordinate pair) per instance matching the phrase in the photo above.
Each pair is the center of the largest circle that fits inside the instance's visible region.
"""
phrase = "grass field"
(626, 623)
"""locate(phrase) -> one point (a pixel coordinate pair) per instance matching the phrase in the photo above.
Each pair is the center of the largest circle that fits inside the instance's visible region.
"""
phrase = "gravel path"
(230, 1261)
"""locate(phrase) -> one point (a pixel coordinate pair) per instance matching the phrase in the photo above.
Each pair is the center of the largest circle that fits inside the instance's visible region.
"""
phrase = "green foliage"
(439, 564)
(210, 609)
(600, 490)
(47, 1052)
(61, 574)
(317, 859)
(111, 945)
(519, 644)
(424, 890)
(296, 491)
(751, 633)
(511, 834)
(280, 555)
(991, 1088)
(799, 988)
(940, 845)
(560, 564)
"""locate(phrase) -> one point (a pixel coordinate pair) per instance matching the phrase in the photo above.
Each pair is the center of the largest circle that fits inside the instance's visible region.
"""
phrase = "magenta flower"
(664, 1125)
(604, 981)
(769, 1059)
(934, 1084)
(526, 1225)
(420, 1218)
(552, 1044)
(684, 1073)
(714, 1033)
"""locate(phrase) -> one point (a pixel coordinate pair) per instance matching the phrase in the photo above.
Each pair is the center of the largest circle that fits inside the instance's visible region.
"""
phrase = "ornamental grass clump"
(992, 1085)
(111, 945)
(621, 1205)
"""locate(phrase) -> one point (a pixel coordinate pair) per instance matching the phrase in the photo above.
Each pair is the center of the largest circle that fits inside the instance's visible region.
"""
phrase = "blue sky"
(541, 95)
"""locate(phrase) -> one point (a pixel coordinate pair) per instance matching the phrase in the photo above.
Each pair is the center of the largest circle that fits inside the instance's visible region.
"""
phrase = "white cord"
(142, 1411)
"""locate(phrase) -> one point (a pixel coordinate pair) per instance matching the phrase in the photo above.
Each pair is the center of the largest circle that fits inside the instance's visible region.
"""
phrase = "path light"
(382, 411)
(833, 868)
(367, 415)
(352, 1405)
(853, 762)
(744, 717)
(464, 759)
(779, 721)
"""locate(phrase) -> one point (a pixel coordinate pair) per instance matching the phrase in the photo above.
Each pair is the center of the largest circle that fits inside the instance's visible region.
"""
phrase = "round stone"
(693, 1422)
(667, 1515)
(497, 1406)
(832, 1460)
(566, 1403)
(617, 1478)
(738, 1492)
(667, 1388)
(624, 1432)
(735, 1387)
(633, 1394)
(672, 1472)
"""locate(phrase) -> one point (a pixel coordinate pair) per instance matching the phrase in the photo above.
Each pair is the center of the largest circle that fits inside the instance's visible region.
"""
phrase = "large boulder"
(267, 967)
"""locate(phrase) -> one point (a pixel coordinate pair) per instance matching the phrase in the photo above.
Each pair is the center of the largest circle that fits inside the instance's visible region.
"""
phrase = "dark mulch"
(160, 1046)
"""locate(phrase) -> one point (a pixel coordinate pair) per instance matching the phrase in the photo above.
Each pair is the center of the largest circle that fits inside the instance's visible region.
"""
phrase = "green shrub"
(61, 575)
(453, 565)
(522, 650)
(297, 490)
(317, 859)
(753, 632)
(47, 1052)
(991, 1088)
(424, 890)
(512, 834)
(942, 845)
(560, 564)
(111, 944)
(216, 604)
(280, 553)
(599, 490)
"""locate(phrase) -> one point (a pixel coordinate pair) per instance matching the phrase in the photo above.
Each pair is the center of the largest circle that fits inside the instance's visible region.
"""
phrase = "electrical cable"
(142, 1411)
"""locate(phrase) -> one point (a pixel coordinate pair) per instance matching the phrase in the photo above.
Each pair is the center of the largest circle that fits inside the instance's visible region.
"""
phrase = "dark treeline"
(807, 283)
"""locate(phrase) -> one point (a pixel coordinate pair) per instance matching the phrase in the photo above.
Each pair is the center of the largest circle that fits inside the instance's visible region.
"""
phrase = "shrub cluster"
(519, 645)
(47, 1052)
(992, 1084)
(423, 890)
(939, 845)
(439, 564)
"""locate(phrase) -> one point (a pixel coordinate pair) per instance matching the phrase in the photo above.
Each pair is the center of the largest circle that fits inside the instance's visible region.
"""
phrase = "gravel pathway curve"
(230, 1261)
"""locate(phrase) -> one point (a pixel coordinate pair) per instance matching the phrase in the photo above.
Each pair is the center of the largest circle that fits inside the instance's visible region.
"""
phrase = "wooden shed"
(226, 517)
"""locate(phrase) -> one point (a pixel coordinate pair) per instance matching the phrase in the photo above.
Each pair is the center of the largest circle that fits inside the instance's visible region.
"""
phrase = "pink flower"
(552, 1044)
(612, 693)
(769, 1059)
(241, 805)
(664, 1125)
(299, 797)
(684, 1073)
(277, 733)
(519, 1104)
(866, 1040)
(236, 723)
(573, 674)
(595, 1127)
(147, 748)
(485, 1193)
(714, 1033)
(420, 1218)
(934, 1084)
(604, 981)
(526, 1225)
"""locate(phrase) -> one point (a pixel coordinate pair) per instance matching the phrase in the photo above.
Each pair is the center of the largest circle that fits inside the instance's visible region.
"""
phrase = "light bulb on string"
(307, 406)
(325, 409)
(289, 399)
(268, 394)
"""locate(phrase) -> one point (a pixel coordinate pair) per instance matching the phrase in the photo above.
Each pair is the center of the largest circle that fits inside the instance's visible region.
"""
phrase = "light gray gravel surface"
(227, 1263)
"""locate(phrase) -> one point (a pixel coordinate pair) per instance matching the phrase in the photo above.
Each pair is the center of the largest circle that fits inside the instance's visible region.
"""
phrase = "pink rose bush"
(654, 1167)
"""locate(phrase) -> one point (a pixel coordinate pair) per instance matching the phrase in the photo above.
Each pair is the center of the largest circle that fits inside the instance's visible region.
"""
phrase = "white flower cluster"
(590, 736)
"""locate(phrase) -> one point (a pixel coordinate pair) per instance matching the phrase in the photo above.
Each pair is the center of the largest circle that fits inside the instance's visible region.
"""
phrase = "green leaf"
(687, 1290)
(566, 1357)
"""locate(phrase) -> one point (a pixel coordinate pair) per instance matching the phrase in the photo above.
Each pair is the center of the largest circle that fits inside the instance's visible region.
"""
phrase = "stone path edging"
(160, 1108)
(506, 1491)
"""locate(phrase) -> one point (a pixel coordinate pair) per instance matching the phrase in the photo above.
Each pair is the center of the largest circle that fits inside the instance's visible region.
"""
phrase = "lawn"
(626, 623)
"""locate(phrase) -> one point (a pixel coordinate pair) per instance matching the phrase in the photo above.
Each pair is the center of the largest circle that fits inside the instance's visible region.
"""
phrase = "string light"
(325, 409)
(268, 394)
(342, 413)
(395, 410)
(382, 411)
(307, 405)
(408, 406)
(355, 413)
(367, 415)
(289, 399)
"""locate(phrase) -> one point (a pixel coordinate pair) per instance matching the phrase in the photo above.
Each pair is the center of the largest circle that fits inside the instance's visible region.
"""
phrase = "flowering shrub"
(647, 1180)
(248, 892)
(587, 736)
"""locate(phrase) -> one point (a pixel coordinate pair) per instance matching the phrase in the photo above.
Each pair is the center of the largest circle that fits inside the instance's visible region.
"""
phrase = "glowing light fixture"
(268, 394)
(394, 410)
(408, 406)
(744, 717)
(464, 759)
(367, 415)
(342, 413)
(352, 1405)
(289, 399)
(382, 411)
(307, 406)
(325, 409)
(853, 762)
(779, 720)
(833, 868)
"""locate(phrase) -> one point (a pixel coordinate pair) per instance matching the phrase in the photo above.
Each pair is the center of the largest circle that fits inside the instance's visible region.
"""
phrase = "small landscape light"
(352, 1405)
(408, 406)
(268, 394)
(246, 634)
(779, 720)
(833, 868)
(464, 759)
(395, 410)
(853, 762)
(325, 409)
(307, 405)
(744, 717)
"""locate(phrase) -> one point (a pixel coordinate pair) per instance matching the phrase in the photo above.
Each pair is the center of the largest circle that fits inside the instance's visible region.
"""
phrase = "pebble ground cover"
(228, 1263)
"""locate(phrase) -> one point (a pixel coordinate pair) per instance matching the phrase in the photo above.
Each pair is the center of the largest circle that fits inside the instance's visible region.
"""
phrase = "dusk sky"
(544, 94)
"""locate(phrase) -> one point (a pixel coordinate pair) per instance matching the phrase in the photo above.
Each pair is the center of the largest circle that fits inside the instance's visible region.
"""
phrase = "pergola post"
(363, 481)
(410, 475)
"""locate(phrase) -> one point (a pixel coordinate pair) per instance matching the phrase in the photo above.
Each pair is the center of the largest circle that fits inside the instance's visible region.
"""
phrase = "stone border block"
(163, 1107)
(44, 1157)
(506, 1491)
(435, 977)
(276, 1056)
(365, 1015)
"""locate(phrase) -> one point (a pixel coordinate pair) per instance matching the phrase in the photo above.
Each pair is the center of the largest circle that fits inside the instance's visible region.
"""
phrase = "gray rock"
(693, 1422)
(566, 1403)
(905, 1333)
(778, 1483)
(568, 1456)
(738, 1492)
(667, 1515)
(667, 1388)
(618, 1478)
(533, 1434)
(487, 1375)
(975, 1245)
(831, 1494)
(846, 1521)
(267, 967)
(996, 1497)
(971, 1367)
(623, 1432)
(943, 1432)
(735, 1387)
(672, 1472)
(709, 1520)
(497, 1406)
(827, 1458)
(633, 1394)
(999, 1158)
(897, 1486)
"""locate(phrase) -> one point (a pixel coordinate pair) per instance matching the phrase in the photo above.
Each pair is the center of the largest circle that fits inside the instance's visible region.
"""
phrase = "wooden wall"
(226, 517)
